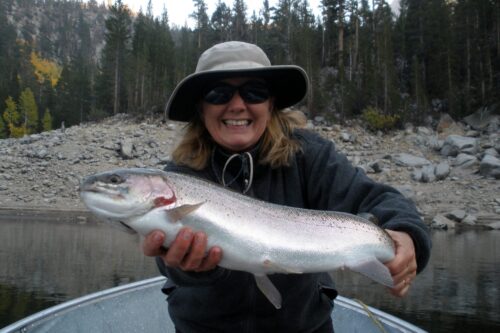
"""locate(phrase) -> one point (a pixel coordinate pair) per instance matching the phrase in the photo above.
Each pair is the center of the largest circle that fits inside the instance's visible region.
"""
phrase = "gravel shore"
(42, 172)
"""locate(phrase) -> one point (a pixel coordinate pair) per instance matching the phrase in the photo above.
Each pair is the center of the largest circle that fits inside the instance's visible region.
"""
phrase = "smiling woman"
(237, 120)
(230, 99)
(242, 134)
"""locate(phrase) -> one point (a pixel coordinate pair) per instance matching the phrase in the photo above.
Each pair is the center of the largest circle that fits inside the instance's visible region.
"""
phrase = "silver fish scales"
(255, 236)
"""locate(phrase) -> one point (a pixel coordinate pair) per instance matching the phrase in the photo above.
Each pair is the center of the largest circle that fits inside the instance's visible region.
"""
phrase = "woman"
(239, 134)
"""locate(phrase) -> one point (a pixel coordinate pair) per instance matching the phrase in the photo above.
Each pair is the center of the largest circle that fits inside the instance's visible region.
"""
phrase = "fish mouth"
(106, 205)
(104, 189)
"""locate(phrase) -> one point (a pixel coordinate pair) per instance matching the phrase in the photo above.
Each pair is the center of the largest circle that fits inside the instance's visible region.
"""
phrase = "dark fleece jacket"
(318, 178)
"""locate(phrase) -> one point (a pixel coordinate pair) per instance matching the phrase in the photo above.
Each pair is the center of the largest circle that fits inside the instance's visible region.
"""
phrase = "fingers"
(401, 289)
(402, 282)
(194, 257)
(179, 248)
(188, 251)
(152, 245)
(403, 267)
(212, 260)
(407, 275)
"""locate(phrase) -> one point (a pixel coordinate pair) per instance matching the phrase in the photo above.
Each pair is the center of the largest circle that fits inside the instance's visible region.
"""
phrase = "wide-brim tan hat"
(288, 83)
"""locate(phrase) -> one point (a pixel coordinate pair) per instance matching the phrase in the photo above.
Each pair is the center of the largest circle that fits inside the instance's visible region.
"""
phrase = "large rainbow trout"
(255, 236)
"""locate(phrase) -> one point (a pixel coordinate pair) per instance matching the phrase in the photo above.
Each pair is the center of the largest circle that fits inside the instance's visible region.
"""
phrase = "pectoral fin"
(178, 213)
(269, 290)
(375, 270)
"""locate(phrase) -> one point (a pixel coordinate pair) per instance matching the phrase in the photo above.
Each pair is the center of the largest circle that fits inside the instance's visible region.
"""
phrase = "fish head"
(124, 193)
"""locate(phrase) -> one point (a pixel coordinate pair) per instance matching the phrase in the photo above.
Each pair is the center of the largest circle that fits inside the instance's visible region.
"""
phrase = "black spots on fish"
(369, 217)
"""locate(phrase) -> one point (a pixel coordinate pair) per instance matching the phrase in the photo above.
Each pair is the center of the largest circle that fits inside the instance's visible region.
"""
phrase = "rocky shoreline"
(452, 171)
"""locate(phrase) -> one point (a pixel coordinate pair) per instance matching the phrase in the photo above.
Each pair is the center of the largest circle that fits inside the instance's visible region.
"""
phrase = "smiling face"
(236, 125)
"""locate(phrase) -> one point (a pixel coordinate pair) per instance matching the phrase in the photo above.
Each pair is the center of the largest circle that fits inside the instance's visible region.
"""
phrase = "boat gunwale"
(70, 305)
(75, 303)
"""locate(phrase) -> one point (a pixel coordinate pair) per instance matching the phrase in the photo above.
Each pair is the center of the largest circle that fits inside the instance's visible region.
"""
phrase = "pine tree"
(3, 128)
(366, 85)
(186, 53)
(221, 22)
(477, 33)
(265, 12)
(73, 95)
(47, 121)
(332, 23)
(11, 117)
(387, 90)
(254, 28)
(152, 63)
(283, 21)
(9, 56)
(305, 47)
(111, 86)
(84, 64)
(141, 68)
(162, 63)
(29, 111)
(202, 29)
(265, 34)
(437, 52)
(239, 21)
(415, 53)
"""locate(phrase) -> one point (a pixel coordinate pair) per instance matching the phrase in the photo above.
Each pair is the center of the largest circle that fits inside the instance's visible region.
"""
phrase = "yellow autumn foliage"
(45, 69)
(17, 131)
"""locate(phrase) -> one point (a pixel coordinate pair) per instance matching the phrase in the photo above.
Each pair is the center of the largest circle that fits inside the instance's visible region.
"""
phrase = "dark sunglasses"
(251, 92)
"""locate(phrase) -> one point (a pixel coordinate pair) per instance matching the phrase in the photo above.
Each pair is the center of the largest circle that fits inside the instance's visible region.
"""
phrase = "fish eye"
(115, 179)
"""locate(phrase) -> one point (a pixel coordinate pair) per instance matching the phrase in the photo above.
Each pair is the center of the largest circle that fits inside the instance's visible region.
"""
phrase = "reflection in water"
(459, 291)
(16, 304)
(44, 263)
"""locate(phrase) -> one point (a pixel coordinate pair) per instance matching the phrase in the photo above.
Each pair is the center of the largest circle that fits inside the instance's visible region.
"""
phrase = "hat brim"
(288, 83)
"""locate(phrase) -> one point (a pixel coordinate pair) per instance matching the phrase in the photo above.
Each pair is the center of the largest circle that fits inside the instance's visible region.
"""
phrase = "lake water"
(44, 263)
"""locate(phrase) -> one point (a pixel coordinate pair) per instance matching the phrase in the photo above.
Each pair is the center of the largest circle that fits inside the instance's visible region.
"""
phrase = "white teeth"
(236, 122)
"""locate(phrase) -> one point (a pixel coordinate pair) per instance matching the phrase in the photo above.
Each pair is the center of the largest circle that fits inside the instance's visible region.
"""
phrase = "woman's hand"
(403, 267)
(188, 251)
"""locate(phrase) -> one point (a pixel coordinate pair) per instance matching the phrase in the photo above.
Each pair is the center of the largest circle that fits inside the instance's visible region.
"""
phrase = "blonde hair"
(277, 146)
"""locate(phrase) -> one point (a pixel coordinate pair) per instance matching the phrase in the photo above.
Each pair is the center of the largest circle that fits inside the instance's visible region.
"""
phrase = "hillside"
(43, 170)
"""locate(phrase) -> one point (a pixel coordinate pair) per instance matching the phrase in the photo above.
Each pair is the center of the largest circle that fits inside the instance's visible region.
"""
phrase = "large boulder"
(442, 222)
(465, 161)
(409, 160)
(447, 126)
(482, 118)
(490, 167)
(127, 148)
(455, 144)
(442, 170)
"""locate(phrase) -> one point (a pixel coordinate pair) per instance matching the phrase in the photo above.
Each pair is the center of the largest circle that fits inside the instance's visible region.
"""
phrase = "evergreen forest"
(72, 61)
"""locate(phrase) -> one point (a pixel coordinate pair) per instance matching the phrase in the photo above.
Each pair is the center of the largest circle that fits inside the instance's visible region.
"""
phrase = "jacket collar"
(235, 170)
